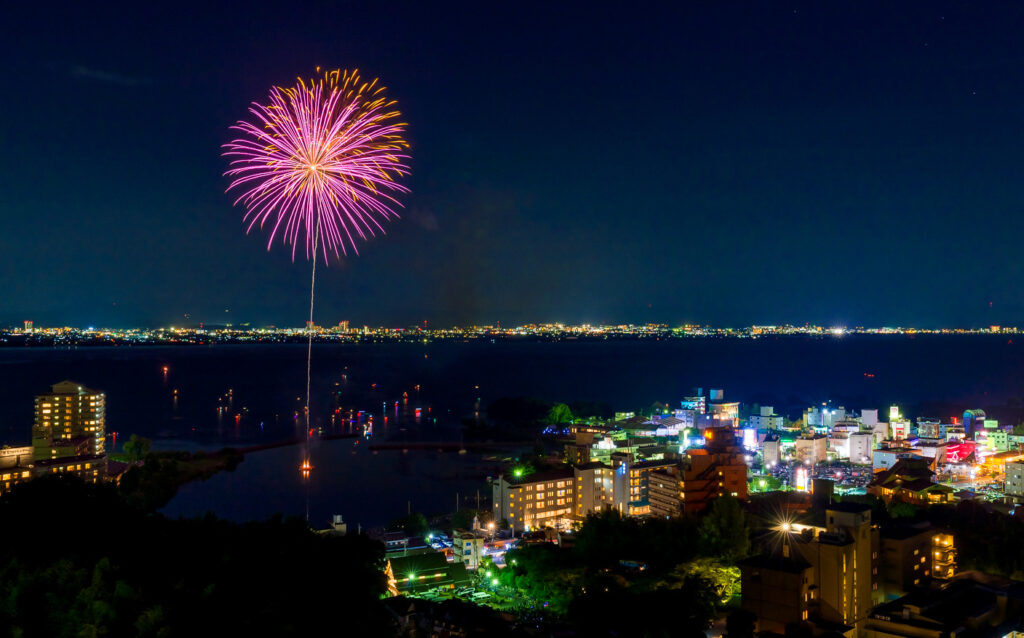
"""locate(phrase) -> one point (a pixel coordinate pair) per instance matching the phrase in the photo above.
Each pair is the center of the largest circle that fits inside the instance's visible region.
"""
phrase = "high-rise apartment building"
(717, 469)
(631, 480)
(665, 493)
(70, 420)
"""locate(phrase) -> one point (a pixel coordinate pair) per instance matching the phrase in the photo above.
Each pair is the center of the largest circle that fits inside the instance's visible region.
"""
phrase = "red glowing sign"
(958, 452)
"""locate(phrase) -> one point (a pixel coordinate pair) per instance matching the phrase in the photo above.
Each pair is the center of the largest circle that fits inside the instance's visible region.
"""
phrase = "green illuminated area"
(618, 570)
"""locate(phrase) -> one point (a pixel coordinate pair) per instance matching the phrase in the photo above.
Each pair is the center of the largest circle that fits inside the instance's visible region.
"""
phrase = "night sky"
(842, 163)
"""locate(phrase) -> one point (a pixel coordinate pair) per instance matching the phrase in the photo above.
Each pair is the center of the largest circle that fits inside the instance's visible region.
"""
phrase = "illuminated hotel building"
(595, 488)
(15, 467)
(91, 468)
(69, 421)
(558, 498)
(541, 499)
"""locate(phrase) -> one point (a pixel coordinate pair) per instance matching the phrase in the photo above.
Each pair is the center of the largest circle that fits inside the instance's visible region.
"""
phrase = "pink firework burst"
(319, 164)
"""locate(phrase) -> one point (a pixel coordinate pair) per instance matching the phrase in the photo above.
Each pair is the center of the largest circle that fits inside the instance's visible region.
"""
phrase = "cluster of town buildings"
(677, 461)
(847, 576)
(192, 333)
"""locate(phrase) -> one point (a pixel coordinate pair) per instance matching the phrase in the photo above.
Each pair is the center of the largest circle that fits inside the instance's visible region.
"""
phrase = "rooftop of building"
(896, 449)
(671, 470)
(67, 460)
(542, 476)
(71, 387)
(653, 463)
(593, 465)
(903, 532)
(776, 562)
(912, 474)
(424, 565)
(117, 468)
(467, 535)
(838, 538)
(849, 507)
(945, 609)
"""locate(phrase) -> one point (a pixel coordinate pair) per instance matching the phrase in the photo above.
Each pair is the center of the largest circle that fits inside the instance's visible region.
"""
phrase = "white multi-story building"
(861, 444)
(810, 450)
(879, 432)
(771, 451)
(767, 419)
(885, 458)
(933, 448)
(1014, 485)
(823, 419)
(542, 499)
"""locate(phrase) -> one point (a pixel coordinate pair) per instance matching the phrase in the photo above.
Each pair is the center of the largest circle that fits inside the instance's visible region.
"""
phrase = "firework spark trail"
(319, 164)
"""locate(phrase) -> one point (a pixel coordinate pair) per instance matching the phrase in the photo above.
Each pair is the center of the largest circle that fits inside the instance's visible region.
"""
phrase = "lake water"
(213, 396)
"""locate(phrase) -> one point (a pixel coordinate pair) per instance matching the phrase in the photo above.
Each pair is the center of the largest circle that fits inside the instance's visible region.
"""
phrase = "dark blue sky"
(718, 162)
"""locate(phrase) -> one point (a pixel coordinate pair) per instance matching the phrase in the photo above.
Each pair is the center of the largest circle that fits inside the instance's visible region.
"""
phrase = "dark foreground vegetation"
(84, 560)
(636, 577)
(152, 484)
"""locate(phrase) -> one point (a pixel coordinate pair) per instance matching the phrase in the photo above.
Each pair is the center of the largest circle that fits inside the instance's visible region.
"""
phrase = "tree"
(545, 574)
(414, 524)
(597, 409)
(518, 410)
(99, 585)
(463, 519)
(683, 612)
(902, 510)
(559, 413)
(137, 447)
(657, 408)
(1018, 430)
(722, 580)
(606, 537)
(724, 533)
(765, 484)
